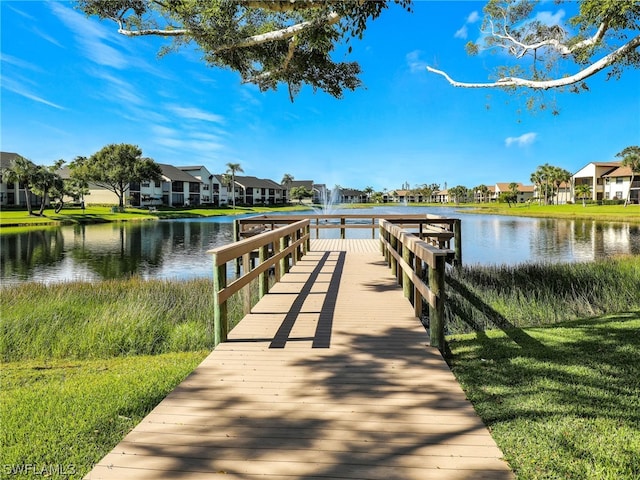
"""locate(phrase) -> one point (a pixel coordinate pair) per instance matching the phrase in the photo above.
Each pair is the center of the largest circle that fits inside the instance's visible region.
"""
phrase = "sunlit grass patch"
(561, 401)
(65, 415)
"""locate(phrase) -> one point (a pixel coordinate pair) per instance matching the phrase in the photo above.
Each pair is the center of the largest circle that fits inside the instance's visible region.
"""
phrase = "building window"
(619, 195)
(177, 187)
(145, 184)
(618, 179)
(205, 188)
(606, 195)
(157, 183)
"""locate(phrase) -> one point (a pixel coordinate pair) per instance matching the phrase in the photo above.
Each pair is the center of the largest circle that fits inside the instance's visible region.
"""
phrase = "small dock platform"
(329, 377)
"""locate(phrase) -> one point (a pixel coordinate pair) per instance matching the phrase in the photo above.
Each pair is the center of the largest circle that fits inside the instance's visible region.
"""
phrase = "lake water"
(177, 249)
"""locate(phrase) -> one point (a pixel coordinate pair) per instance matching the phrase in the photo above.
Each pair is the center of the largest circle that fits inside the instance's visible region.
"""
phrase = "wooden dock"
(329, 377)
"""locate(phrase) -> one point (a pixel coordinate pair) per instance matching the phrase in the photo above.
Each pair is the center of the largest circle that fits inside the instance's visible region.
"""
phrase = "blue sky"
(71, 85)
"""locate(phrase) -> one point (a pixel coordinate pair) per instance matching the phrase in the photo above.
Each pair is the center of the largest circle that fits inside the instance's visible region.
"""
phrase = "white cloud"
(461, 33)
(192, 113)
(521, 141)
(547, 18)
(415, 63)
(91, 37)
(19, 89)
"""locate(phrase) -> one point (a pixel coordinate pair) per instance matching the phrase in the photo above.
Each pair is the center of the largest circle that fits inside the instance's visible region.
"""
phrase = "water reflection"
(99, 252)
(177, 249)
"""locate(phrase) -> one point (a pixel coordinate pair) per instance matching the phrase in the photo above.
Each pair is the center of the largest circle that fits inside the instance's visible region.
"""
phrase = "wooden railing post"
(220, 321)
(417, 297)
(263, 278)
(457, 239)
(236, 237)
(407, 285)
(307, 244)
(342, 228)
(394, 263)
(436, 313)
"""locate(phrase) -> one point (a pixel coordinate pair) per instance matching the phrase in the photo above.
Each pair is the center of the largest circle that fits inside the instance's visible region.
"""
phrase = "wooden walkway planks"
(329, 377)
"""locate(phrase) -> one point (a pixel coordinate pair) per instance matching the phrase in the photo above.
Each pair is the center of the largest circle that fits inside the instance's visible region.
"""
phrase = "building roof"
(619, 172)
(174, 174)
(255, 182)
(6, 159)
(308, 184)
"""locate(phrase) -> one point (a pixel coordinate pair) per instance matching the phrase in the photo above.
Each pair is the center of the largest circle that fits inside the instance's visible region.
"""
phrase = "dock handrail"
(438, 230)
(277, 249)
(407, 256)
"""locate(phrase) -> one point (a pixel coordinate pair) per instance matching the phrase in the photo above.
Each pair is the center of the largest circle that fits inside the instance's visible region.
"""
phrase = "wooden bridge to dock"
(330, 375)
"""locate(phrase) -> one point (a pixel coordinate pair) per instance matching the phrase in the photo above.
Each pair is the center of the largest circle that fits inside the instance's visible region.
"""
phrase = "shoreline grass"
(503, 296)
(14, 221)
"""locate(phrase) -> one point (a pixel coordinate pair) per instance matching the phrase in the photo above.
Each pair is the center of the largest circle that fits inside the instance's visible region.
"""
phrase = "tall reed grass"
(480, 298)
(106, 319)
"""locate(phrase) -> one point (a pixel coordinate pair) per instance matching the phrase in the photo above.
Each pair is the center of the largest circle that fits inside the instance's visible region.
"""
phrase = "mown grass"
(561, 401)
(485, 297)
(63, 416)
(14, 221)
(604, 213)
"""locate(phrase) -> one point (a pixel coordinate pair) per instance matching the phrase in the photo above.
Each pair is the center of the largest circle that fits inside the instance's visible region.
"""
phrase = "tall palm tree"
(232, 168)
(287, 178)
(368, 190)
(24, 172)
(536, 179)
(630, 158)
(560, 176)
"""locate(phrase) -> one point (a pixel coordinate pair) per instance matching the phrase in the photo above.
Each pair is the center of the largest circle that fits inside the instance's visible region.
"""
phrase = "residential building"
(307, 184)
(13, 194)
(593, 174)
(258, 191)
(525, 192)
(210, 185)
(617, 185)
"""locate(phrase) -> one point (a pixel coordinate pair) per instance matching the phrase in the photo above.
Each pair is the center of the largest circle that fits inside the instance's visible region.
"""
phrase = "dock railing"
(419, 267)
(276, 249)
(443, 232)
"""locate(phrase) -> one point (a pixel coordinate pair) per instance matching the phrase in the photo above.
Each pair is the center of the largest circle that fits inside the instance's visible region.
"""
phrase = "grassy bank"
(560, 401)
(13, 220)
(604, 213)
(485, 297)
(78, 320)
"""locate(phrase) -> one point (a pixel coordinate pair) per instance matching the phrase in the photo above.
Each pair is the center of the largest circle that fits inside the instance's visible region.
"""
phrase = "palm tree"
(583, 191)
(287, 178)
(630, 158)
(24, 172)
(232, 168)
(560, 176)
(536, 179)
(482, 191)
(368, 190)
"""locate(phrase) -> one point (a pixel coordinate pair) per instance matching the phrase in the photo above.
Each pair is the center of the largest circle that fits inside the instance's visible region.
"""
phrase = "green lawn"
(11, 221)
(614, 213)
(561, 401)
(63, 416)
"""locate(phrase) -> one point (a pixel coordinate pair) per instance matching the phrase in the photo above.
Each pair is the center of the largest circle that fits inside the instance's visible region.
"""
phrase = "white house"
(617, 185)
(593, 174)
